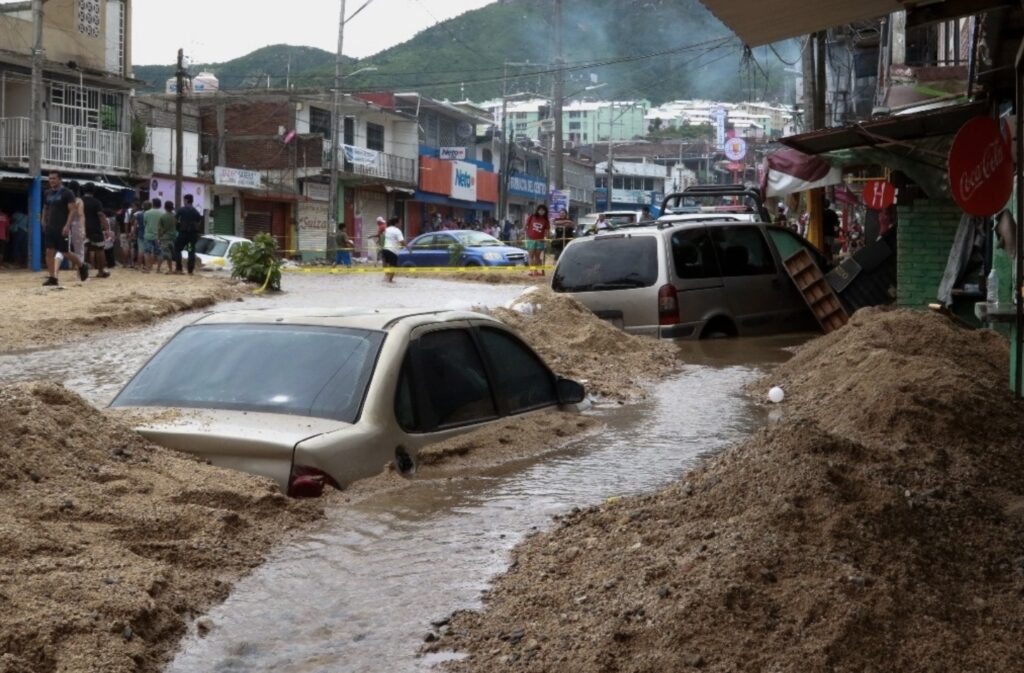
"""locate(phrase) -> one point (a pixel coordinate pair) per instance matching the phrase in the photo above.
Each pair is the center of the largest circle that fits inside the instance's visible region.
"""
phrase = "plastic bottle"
(992, 287)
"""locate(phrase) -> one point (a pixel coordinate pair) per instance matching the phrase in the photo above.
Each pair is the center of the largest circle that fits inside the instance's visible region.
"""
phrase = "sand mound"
(818, 545)
(111, 544)
(578, 344)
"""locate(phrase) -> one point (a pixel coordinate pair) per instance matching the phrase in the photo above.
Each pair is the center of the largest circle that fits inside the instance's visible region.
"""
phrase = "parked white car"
(313, 398)
(212, 250)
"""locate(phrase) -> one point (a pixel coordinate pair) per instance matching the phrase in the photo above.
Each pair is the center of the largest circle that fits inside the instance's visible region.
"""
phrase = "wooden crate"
(816, 291)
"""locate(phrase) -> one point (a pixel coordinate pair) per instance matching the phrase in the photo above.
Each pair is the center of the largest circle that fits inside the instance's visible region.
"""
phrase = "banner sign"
(879, 194)
(980, 167)
(163, 188)
(237, 177)
(463, 181)
(360, 156)
(718, 116)
(559, 201)
(453, 153)
(317, 191)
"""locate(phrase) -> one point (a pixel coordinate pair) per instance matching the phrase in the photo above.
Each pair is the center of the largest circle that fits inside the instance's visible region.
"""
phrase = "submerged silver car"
(314, 398)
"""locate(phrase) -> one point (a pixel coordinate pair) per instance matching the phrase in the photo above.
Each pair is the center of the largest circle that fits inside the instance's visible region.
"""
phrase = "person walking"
(58, 209)
(190, 221)
(829, 230)
(343, 252)
(138, 235)
(394, 240)
(166, 233)
(151, 234)
(96, 224)
(77, 231)
(537, 228)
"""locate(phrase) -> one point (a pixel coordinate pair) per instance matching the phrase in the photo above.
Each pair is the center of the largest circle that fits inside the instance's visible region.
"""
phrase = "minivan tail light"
(668, 305)
(308, 482)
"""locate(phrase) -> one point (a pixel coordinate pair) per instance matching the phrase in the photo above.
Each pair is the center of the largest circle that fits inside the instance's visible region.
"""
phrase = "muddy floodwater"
(359, 592)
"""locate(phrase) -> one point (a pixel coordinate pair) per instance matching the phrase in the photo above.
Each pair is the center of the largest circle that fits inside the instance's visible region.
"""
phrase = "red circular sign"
(879, 194)
(980, 167)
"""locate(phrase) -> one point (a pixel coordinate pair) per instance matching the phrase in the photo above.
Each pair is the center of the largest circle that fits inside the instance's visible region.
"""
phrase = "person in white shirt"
(394, 240)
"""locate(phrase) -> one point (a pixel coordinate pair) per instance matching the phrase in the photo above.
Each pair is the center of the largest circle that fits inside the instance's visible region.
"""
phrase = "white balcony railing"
(66, 146)
(373, 164)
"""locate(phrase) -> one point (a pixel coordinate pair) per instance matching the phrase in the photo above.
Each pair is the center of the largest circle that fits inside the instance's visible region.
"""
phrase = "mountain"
(252, 69)
(655, 49)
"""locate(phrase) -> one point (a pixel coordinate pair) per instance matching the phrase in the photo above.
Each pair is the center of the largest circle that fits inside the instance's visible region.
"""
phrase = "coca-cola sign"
(980, 167)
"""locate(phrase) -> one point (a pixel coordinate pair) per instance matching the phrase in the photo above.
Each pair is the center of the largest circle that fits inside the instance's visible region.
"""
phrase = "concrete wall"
(924, 238)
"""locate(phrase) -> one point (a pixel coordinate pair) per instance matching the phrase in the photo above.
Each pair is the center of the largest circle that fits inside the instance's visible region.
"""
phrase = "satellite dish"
(464, 130)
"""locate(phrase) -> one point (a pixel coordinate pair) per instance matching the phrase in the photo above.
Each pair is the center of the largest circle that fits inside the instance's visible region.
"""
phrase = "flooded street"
(358, 593)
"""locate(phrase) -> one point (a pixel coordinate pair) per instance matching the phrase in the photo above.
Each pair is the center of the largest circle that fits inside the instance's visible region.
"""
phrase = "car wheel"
(404, 464)
(719, 328)
(473, 262)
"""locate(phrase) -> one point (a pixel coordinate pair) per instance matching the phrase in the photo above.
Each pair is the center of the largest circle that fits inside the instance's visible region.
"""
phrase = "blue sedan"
(461, 247)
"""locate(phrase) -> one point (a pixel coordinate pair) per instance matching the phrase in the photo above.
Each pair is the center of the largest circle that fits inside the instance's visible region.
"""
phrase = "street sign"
(718, 115)
(980, 167)
(879, 194)
(735, 149)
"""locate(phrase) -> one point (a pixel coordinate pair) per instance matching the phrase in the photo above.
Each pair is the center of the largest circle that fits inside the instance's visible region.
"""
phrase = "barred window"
(374, 137)
(89, 17)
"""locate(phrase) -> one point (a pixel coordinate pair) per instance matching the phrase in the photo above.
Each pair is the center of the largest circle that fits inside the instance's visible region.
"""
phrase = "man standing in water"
(58, 208)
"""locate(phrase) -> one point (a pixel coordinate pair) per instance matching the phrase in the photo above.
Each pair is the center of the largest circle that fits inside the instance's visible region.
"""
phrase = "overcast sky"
(212, 31)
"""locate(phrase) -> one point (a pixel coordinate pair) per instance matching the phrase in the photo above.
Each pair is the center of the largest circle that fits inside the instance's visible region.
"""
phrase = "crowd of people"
(147, 236)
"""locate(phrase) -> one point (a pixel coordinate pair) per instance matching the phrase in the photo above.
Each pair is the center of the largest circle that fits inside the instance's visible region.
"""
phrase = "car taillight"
(668, 305)
(308, 482)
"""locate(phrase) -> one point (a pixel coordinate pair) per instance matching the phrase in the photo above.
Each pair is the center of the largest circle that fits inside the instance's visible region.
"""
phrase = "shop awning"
(759, 22)
(944, 121)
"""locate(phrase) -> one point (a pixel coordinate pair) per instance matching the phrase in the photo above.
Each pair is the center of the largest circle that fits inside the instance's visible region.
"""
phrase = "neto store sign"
(980, 167)
(463, 181)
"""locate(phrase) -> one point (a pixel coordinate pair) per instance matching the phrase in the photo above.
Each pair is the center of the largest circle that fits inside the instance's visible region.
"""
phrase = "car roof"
(225, 237)
(456, 231)
(357, 318)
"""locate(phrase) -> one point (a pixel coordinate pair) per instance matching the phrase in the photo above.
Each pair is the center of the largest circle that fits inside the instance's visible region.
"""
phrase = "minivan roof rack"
(716, 190)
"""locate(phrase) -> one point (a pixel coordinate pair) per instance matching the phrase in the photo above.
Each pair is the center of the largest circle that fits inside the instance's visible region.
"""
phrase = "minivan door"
(750, 276)
(697, 277)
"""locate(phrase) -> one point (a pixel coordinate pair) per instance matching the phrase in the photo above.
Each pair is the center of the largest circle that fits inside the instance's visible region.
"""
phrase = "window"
(601, 182)
(455, 382)
(89, 17)
(374, 137)
(574, 126)
(239, 367)
(488, 156)
(618, 182)
(320, 122)
(405, 407)
(743, 251)
(523, 382)
(649, 184)
(425, 242)
(574, 114)
(608, 263)
(693, 254)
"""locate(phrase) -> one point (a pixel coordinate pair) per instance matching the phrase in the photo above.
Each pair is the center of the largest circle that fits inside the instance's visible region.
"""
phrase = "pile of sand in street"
(112, 544)
(579, 345)
(45, 316)
(878, 527)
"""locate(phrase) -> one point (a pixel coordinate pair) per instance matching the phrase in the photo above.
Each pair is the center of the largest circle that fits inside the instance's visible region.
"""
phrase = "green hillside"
(252, 70)
(609, 42)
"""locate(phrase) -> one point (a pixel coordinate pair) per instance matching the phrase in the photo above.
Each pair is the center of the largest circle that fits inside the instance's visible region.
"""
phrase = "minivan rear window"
(608, 263)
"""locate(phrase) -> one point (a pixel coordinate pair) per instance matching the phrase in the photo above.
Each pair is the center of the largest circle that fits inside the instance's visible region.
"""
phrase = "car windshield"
(215, 247)
(286, 369)
(608, 263)
(476, 239)
(619, 219)
(732, 203)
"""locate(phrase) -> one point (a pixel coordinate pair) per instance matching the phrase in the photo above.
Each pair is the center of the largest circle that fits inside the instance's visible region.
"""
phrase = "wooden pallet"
(816, 291)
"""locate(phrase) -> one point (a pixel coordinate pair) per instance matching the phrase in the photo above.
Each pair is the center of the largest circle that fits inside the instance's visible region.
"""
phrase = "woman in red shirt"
(537, 226)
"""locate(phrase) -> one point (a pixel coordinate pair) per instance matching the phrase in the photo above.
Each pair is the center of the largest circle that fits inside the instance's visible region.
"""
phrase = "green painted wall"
(924, 237)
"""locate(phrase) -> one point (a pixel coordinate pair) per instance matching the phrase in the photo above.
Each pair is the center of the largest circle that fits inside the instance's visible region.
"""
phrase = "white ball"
(776, 395)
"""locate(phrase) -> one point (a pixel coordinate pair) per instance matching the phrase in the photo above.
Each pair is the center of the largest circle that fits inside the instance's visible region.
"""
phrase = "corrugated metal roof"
(759, 22)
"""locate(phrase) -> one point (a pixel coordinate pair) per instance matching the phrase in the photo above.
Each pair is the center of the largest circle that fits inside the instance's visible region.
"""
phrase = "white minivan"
(706, 277)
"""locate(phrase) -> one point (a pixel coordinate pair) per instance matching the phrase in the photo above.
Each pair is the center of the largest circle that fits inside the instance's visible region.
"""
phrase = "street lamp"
(369, 68)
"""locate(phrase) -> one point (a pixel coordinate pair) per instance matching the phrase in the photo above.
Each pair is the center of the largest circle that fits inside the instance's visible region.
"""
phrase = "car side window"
(405, 406)
(743, 251)
(454, 379)
(424, 242)
(522, 382)
(693, 254)
(443, 242)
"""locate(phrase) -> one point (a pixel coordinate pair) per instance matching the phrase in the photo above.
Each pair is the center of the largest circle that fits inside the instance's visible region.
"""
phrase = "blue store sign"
(528, 186)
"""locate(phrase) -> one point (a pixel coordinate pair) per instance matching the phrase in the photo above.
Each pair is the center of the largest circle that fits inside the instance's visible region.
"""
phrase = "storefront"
(525, 193)
(312, 222)
(451, 193)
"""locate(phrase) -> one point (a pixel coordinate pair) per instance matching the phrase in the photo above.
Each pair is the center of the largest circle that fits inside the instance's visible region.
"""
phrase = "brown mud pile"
(579, 345)
(44, 316)
(111, 544)
(878, 527)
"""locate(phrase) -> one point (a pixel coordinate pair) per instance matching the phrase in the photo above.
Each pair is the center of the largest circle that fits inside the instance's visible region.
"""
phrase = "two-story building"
(631, 186)
(86, 69)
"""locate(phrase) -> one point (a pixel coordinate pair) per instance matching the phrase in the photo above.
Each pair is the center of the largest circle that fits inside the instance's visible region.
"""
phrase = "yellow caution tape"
(399, 270)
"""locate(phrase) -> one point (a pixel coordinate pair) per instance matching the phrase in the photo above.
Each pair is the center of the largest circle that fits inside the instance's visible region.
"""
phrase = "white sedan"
(212, 250)
(310, 397)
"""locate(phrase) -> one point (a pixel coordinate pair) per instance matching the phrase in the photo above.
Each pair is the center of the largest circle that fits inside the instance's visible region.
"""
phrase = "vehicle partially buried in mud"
(312, 398)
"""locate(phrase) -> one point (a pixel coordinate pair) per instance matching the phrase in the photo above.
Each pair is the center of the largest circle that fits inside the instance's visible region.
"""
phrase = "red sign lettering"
(980, 167)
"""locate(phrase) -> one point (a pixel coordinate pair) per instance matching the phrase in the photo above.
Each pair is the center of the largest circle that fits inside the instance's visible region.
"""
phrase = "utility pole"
(179, 140)
(332, 216)
(35, 150)
(506, 138)
(559, 148)
(816, 197)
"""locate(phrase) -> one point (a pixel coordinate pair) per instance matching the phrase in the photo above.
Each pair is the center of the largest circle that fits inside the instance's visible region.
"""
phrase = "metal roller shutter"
(257, 223)
(224, 220)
